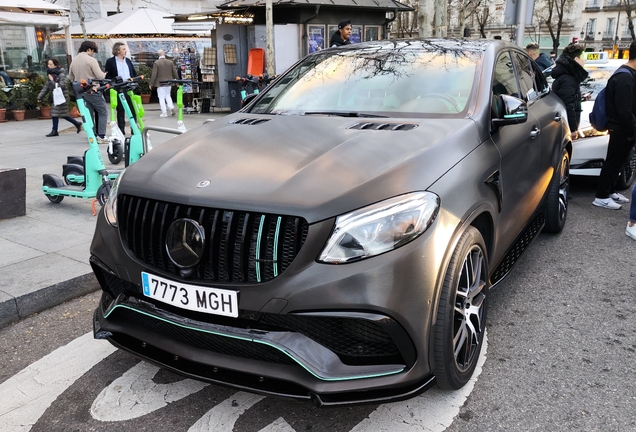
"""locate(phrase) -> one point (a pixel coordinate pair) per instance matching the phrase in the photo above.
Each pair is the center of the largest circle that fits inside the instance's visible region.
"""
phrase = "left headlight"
(110, 208)
(380, 227)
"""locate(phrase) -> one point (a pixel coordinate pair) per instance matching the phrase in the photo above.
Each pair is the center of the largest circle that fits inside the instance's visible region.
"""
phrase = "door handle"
(535, 132)
(557, 117)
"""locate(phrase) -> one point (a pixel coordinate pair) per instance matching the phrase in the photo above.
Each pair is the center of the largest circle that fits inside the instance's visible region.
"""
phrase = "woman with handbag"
(57, 85)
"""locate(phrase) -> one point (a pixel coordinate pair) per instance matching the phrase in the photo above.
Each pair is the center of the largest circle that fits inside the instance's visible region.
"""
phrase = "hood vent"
(384, 126)
(249, 121)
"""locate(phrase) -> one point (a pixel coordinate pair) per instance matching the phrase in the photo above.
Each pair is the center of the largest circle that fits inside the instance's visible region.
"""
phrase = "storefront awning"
(34, 19)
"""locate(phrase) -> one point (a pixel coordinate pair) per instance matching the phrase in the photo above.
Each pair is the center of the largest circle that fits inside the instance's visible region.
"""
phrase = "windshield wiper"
(342, 113)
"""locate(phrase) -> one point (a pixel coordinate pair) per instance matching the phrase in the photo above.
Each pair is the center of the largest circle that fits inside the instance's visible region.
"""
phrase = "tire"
(118, 153)
(461, 314)
(103, 192)
(558, 195)
(55, 199)
(627, 174)
(73, 170)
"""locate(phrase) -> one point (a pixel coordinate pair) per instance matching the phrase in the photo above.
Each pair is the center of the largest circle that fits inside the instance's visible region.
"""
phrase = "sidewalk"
(44, 254)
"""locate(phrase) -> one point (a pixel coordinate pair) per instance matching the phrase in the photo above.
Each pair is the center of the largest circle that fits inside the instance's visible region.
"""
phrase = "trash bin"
(235, 95)
(12, 192)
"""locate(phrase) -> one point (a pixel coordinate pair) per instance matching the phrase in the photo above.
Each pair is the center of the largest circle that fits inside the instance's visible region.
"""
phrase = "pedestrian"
(568, 73)
(342, 36)
(539, 58)
(163, 70)
(57, 78)
(120, 66)
(620, 103)
(85, 67)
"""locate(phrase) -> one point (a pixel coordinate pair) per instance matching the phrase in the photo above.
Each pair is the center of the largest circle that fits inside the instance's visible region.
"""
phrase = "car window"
(505, 81)
(387, 82)
(597, 78)
(526, 75)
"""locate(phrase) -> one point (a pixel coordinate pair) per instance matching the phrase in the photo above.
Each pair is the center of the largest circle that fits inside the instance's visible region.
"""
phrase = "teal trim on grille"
(300, 363)
(258, 249)
(275, 265)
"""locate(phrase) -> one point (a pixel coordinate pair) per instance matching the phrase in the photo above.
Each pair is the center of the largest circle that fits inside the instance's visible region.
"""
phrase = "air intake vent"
(384, 126)
(240, 246)
(249, 121)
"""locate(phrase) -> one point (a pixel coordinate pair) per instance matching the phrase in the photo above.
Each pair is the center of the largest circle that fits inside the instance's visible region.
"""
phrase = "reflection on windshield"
(377, 79)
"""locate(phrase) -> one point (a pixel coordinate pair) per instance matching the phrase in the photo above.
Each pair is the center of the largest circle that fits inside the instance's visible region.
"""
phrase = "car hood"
(316, 167)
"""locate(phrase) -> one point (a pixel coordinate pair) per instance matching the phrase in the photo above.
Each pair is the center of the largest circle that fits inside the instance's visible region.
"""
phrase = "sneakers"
(172, 113)
(102, 140)
(630, 231)
(52, 133)
(619, 198)
(607, 203)
(163, 115)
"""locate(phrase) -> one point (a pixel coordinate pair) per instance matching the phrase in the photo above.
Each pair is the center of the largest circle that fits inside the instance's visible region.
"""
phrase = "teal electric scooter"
(133, 145)
(95, 182)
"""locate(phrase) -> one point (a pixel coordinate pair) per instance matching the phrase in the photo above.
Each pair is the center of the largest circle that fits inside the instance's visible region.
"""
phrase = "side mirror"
(508, 110)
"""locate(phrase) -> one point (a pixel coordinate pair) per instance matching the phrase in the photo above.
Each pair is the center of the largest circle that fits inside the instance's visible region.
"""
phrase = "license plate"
(196, 298)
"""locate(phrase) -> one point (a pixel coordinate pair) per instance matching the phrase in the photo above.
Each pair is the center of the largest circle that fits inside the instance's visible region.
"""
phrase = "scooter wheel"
(55, 199)
(103, 192)
(117, 155)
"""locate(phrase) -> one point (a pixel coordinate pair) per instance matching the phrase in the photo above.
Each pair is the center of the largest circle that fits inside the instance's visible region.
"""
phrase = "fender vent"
(249, 121)
(384, 126)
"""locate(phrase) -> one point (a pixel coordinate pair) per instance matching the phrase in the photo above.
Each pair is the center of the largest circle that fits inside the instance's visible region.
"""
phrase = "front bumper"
(588, 155)
(336, 334)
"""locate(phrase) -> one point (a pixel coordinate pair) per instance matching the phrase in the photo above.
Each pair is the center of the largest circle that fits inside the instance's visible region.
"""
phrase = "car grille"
(240, 246)
(356, 341)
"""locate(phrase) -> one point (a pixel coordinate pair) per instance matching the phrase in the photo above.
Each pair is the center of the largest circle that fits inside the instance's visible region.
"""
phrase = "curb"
(18, 308)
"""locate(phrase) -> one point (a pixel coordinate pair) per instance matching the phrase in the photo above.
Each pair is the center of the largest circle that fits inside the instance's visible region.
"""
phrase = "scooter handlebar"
(181, 81)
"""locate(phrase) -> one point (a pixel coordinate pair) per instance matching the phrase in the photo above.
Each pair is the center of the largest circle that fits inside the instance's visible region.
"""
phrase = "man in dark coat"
(620, 103)
(568, 75)
(539, 58)
(120, 65)
(342, 36)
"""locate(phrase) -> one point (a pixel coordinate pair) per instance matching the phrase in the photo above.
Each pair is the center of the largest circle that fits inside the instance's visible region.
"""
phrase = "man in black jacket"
(621, 115)
(120, 65)
(342, 36)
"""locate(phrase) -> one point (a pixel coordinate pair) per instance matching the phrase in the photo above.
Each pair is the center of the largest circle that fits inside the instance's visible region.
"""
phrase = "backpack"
(598, 116)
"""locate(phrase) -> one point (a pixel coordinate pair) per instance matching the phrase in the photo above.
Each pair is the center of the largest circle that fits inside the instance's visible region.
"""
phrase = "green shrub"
(19, 97)
(144, 84)
(4, 99)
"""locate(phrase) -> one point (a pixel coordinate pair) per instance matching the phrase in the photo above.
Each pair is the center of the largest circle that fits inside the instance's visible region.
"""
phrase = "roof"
(33, 12)
(364, 4)
(138, 21)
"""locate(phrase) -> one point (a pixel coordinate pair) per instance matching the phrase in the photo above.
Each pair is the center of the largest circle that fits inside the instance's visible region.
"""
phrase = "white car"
(590, 150)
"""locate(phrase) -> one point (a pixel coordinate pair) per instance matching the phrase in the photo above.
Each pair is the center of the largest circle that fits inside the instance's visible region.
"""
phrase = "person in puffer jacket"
(568, 74)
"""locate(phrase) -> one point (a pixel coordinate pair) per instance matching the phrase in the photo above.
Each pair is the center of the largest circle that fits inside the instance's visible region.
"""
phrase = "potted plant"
(19, 99)
(4, 101)
(73, 110)
(144, 84)
(45, 107)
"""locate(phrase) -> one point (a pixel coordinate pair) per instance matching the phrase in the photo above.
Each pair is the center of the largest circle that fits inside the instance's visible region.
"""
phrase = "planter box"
(12, 192)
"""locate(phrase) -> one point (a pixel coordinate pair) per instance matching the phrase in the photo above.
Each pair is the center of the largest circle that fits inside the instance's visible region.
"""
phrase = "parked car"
(590, 151)
(337, 238)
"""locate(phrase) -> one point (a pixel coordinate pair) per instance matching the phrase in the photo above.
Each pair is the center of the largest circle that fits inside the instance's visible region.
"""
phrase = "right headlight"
(110, 208)
(380, 227)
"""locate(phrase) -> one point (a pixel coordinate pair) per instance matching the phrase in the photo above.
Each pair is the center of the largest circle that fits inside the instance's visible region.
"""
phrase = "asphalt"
(44, 254)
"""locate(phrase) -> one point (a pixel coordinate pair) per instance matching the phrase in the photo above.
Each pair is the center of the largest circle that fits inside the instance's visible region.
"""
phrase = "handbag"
(58, 96)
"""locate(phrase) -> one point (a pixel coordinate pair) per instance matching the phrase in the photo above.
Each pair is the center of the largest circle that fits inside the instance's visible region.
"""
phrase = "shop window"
(371, 33)
(317, 37)
(229, 54)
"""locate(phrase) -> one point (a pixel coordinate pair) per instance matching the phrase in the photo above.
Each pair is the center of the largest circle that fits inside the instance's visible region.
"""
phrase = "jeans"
(632, 205)
(617, 152)
(56, 122)
(163, 93)
(121, 113)
(96, 104)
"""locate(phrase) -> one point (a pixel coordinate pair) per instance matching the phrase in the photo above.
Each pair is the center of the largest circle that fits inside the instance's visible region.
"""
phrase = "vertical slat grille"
(240, 247)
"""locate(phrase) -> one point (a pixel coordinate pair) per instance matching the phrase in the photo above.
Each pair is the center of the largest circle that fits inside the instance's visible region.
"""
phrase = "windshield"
(375, 80)
(597, 79)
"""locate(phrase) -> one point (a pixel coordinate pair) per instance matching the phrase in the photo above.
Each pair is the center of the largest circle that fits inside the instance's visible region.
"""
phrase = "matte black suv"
(336, 239)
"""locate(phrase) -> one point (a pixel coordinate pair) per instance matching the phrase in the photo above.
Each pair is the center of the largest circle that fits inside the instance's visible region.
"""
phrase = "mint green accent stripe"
(514, 115)
(258, 249)
(252, 340)
(276, 246)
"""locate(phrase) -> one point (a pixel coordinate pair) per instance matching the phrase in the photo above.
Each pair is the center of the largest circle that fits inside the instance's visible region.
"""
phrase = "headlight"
(380, 227)
(110, 208)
